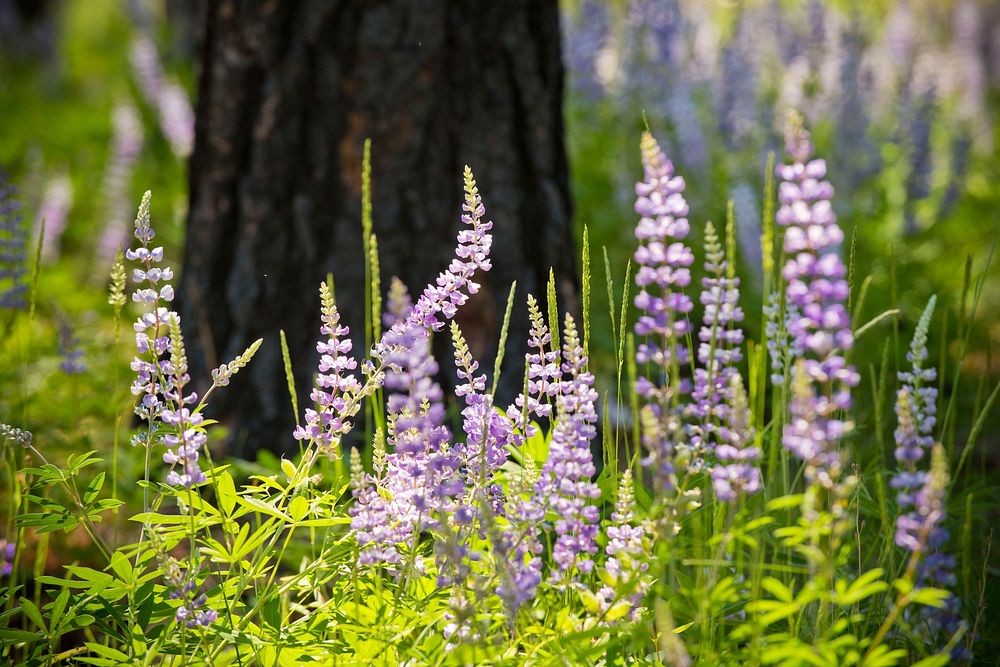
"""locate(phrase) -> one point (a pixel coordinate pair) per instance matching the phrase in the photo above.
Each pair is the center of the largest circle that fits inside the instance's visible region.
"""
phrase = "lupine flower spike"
(737, 470)
(817, 287)
(13, 249)
(920, 525)
(565, 480)
(720, 338)
(624, 578)
(422, 479)
(664, 273)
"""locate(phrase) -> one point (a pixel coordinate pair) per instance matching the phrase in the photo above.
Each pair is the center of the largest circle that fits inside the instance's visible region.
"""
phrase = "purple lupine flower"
(412, 382)
(423, 482)
(817, 287)
(737, 470)
(151, 338)
(663, 273)
(921, 496)
(420, 476)
(126, 144)
(719, 339)
(160, 362)
(337, 390)
(13, 242)
(663, 324)
(454, 286)
(518, 553)
(916, 409)
(626, 550)
(518, 548)
(584, 36)
(565, 481)
(7, 550)
(192, 611)
(487, 430)
(543, 372)
(72, 356)
(167, 97)
(184, 444)
(56, 203)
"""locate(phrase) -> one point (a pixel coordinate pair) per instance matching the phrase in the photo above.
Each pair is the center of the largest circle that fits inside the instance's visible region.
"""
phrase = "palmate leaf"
(865, 586)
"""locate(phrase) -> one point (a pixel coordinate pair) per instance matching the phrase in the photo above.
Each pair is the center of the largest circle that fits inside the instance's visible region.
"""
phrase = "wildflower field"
(765, 431)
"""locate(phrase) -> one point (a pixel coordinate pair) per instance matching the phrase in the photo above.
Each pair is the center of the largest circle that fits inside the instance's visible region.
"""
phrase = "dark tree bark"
(288, 93)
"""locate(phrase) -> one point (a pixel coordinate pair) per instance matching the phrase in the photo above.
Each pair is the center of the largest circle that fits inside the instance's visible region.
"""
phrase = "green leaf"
(589, 600)
(932, 597)
(298, 507)
(14, 636)
(258, 505)
(93, 488)
(785, 502)
(618, 610)
(56, 611)
(288, 468)
(227, 492)
(864, 587)
(31, 611)
(777, 589)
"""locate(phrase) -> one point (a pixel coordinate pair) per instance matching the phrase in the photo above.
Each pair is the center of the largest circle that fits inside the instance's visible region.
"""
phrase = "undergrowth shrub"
(727, 521)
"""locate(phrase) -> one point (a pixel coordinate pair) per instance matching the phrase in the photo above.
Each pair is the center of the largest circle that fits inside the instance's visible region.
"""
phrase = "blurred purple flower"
(167, 97)
(57, 200)
(13, 250)
(126, 144)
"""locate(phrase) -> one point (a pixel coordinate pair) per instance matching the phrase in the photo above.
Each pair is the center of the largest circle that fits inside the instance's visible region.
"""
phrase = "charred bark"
(288, 92)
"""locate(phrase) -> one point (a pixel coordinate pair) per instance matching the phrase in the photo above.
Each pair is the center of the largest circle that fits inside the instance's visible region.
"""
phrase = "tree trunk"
(288, 93)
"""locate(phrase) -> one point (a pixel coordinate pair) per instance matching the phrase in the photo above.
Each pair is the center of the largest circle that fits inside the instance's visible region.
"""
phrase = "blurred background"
(99, 102)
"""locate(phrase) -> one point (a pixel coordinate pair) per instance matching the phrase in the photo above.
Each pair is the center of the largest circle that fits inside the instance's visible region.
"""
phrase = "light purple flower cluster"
(720, 339)
(7, 551)
(423, 477)
(192, 611)
(412, 366)
(13, 241)
(922, 531)
(487, 430)
(454, 286)
(518, 548)
(664, 272)
(916, 407)
(737, 470)
(543, 377)
(57, 200)
(160, 362)
(188, 437)
(337, 390)
(518, 553)
(626, 550)
(565, 481)
(817, 287)
(151, 338)
(920, 497)
(167, 97)
(420, 475)
(126, 144)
